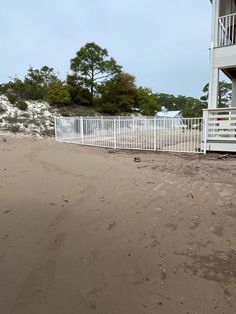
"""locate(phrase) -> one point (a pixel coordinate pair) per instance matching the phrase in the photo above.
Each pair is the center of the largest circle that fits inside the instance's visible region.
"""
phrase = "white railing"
(227, 30)
(156, 134)
(221, 125)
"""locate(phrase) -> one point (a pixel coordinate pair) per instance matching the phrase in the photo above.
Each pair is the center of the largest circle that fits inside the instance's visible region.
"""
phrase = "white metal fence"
(155, 134)
(227, 30)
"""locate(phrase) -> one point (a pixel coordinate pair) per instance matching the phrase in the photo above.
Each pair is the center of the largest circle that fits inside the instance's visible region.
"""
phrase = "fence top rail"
(225, 16)
(131, 118)
(220, 110)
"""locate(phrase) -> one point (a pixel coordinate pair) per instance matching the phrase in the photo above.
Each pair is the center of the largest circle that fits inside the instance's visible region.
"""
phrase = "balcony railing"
(227, 30)
(221, 124)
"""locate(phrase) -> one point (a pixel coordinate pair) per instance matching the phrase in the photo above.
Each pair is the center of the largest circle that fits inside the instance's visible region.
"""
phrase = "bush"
(12, 98)
(14, 129)
(2, 110)
(11, 120)
(108, 108)
(58, 95)
(22, 105)
(48, 132)
(64, 113)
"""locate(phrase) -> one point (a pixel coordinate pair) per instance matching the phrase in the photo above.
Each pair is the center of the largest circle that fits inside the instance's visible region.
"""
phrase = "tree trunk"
(92, 87)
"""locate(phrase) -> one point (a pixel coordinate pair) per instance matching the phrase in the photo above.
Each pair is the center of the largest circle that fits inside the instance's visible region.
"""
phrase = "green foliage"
(2, 89)
(225, 94)
(2, 110)
(92, 66)
(79, 95)
(16, 88)
(108, 108)
(147, 101)
(58, 94)
(34, 86)
(11, 120)
(189, 106)
(12, 98)
(120, 91)
(22, 105)
(14, 128)
(64, 112)
(37, 82)
(98, 82)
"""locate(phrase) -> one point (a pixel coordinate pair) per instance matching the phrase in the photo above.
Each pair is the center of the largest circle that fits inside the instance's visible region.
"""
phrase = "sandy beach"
(86, 230)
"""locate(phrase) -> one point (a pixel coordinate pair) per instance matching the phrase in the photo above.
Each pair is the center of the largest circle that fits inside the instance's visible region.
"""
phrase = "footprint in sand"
(218, 230)
(111, 226)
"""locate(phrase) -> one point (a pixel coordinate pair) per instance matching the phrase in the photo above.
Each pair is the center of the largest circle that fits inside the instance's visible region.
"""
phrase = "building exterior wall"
(221, 58)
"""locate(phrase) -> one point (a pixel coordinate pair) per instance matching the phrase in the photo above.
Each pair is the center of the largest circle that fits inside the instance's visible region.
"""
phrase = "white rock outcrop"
(37, 119)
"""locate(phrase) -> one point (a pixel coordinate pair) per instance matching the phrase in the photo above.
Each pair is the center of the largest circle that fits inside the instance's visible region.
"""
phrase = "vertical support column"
(82, 129)
(155, 133)
(115, 134)
(215, 23)
(214, 76)
(213, 88)
(233, 93)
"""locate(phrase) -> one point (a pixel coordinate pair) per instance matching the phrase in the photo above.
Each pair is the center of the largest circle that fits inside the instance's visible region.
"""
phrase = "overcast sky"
(163, 43)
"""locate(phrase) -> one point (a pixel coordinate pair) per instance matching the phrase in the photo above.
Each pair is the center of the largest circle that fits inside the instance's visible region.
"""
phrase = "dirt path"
(86, 230)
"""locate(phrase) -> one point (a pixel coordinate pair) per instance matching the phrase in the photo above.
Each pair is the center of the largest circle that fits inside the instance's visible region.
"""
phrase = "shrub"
(48, 132)
(22, 105)
(14, 128)
(2, 110)
(108, 108)
(12, 98)
(11, 120)
(64, 113)
(58, 94)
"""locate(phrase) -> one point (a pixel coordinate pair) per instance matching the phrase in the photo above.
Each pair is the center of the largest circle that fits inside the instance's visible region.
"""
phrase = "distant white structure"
(169, 119)
(169, 114)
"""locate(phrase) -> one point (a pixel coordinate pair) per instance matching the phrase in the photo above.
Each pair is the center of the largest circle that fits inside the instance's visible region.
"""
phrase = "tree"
(15, 90)
(78, 94)
(120, 91)
(189, 106)
(92, 66)
(37, 82)
(34, 86)
(58, 94)
(147, 101)
(225, 93)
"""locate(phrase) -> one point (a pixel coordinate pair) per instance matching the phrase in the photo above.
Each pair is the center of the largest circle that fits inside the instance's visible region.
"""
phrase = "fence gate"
(154, 134)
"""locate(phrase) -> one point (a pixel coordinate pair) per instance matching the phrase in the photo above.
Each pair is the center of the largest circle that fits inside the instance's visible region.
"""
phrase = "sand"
(88, 230)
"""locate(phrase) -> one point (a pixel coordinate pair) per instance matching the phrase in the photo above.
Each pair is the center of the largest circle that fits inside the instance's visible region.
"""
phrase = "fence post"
(114, 133)
(82, 129)
(205, 125)
(102, 126)
(133, 123)
(119, 125)
(55, 127)
(155, 134)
